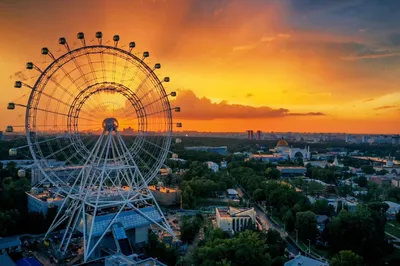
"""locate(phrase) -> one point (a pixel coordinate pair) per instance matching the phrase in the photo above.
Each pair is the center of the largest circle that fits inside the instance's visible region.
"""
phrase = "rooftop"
(305, 261)
(163, 189)
(7, 242)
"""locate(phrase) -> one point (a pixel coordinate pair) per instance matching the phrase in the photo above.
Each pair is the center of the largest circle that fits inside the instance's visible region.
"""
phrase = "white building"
(213, 166)
(234, 220)
(232, 194)
(283, 149)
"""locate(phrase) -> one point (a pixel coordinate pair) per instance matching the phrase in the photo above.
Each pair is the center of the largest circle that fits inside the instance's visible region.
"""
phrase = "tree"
(272, 173)
(346, 258)
(259, 195)
(289, 220)
(190, 227)
(362, 181)
(160, 251)
(244, 249)
(322, 207)
(362, 231)
(306, 224)
(314, 188)
(367, 169)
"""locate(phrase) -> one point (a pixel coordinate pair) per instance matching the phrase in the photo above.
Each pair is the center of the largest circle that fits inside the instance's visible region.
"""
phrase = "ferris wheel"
(102, 110)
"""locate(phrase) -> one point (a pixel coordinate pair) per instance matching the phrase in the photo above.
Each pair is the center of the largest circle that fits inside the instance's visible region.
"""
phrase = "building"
(336, 163)
(10, 244)
(317, 163)
(233, 220)
(270, 158)
(250, 134)
(57, 172)
(223, 150)
(394, 208)
(282, 148)
(213, 166)
(232, 194)
(129, 230)
(321, 222)
(224, 164)
(40, 200)
(301, 260)
(258, 135)
(166, 196)
(292, 171)
(396, 182)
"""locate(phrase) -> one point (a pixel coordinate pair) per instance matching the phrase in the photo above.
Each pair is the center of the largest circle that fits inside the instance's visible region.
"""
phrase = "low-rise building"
(232, 193)
(321, 222)
(291, 171)
(166, 196)
(213, 166)
(269, 158)
(396, 182)
(233, 220)
(40, 200)
(305, 261)
(394, 208)
(10, 244)
(223, 150)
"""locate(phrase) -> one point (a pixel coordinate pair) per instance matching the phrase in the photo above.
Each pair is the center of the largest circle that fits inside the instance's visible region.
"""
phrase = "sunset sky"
(288, 65)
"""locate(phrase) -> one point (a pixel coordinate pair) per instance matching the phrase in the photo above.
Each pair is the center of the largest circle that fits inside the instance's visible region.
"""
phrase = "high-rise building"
(249, 134)
(258, 135)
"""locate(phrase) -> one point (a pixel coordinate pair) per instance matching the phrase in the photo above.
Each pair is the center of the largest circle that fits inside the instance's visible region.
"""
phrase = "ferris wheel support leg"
(90, 251)
(166, 227)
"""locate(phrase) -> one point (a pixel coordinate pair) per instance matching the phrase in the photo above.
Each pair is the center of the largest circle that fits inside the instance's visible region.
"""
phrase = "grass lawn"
(393, 228)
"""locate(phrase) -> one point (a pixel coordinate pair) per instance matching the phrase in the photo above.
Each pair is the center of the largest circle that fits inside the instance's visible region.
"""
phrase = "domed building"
(282, 148)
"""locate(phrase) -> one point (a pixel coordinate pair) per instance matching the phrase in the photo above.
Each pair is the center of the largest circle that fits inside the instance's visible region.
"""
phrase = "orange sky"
(237, 65)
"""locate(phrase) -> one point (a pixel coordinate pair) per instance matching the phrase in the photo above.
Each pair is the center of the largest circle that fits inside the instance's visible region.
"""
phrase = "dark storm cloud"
(195, 108)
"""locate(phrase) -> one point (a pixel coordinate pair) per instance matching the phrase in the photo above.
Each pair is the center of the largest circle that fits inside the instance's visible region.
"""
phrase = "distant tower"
(336, 162)
(249, 134)
(258, 135)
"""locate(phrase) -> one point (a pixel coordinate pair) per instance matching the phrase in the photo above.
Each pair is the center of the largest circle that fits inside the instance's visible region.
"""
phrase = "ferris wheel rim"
(37, 93)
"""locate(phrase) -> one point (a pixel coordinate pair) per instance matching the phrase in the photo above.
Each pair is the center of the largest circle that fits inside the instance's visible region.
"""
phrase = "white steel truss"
(109, 182)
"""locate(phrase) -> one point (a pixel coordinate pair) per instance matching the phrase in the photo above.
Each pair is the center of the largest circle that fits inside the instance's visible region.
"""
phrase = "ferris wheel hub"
(110, 124)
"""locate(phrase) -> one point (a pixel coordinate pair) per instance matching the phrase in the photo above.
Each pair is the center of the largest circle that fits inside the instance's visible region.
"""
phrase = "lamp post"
(309, 247)
(297, 235)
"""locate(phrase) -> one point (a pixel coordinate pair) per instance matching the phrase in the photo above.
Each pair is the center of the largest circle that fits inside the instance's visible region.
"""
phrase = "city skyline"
(268, 65)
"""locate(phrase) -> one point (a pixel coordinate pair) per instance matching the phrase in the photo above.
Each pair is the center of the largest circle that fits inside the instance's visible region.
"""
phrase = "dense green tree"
(156, 249)
(346, 258)
(367, 169)
(272, 173)
(259, 195)
(362, 231)
(362, 181)
(398, 217)
(306, 224)
(190, 226)
(315, 188)
(290, 221)
(247, 248)
(322, 207)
